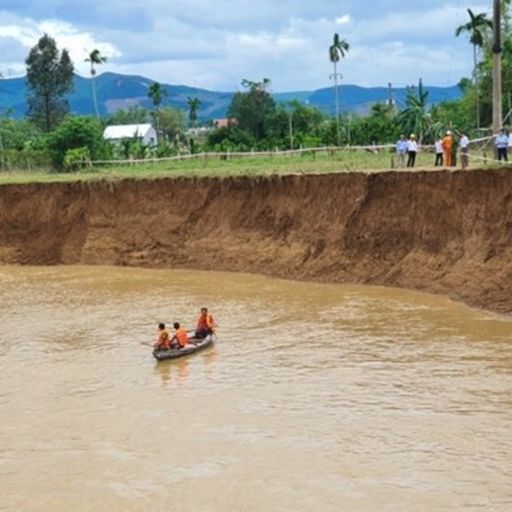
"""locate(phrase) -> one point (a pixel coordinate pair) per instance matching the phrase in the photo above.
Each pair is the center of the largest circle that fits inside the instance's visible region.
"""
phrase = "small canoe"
(193, 347)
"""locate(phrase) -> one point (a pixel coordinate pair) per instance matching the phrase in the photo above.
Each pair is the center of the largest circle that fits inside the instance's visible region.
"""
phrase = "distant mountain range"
(117, 91)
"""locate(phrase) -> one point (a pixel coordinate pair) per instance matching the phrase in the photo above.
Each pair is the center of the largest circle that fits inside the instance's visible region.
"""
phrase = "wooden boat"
(195, 346)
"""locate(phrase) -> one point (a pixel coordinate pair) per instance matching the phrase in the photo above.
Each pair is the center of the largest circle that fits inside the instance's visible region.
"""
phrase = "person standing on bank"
(447, 148)
(412, 150)
(439, 152)
(501, 143)
(401, 151)
(464, 151)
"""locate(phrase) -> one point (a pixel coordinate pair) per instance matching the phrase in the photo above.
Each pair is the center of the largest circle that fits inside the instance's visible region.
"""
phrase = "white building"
(144, 133)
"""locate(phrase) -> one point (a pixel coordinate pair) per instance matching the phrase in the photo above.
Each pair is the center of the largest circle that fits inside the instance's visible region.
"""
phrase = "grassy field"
(237, 166)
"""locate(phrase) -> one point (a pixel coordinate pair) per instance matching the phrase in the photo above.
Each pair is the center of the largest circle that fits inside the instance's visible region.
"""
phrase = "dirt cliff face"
(442, 232)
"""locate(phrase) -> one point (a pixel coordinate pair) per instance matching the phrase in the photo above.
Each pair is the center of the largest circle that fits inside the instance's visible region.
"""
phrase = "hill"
(117, 91)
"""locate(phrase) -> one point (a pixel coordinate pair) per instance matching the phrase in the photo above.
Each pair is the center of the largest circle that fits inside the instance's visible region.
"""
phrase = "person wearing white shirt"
(401, 151)
(464, 151)
(439, 152)
(412, 150)
(501, 143)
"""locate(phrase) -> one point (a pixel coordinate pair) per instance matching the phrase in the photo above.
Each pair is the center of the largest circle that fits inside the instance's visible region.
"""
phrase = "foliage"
(415, 118)
(156, 94)
(477, 28)
(49, 78)
(74, 133)
(77, 158)
(193, 106)
(338, 49)
(95, 59)
(170, 123)
(18, 134)
(253, 109)
(131, 115)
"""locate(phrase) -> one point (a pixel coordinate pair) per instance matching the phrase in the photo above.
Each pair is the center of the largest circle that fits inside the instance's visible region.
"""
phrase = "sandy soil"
(442, 232)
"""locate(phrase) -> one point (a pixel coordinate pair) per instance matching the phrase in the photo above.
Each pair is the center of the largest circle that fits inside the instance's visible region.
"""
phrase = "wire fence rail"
(226, 155)
(34, 161)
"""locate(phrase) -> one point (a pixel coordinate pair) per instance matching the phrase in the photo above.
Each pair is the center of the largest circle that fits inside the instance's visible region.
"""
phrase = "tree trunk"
(94, 99)
(477, 92)
(337, 102)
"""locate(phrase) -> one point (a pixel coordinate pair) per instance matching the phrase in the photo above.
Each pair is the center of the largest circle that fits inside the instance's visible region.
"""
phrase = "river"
(314, 398)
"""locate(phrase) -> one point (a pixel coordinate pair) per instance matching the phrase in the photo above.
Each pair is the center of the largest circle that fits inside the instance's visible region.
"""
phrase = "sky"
(214, 44)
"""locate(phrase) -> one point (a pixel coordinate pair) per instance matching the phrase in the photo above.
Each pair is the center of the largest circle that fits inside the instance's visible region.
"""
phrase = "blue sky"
(215, 44)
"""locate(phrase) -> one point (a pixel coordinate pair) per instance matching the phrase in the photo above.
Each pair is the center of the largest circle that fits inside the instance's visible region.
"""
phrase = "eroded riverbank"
(442, 232)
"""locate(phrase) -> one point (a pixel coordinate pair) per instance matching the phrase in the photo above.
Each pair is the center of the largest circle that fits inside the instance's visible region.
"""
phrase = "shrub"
(77, 158)
(77, 133)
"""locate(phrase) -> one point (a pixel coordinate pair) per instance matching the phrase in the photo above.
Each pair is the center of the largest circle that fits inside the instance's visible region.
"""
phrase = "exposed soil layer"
(442, 232)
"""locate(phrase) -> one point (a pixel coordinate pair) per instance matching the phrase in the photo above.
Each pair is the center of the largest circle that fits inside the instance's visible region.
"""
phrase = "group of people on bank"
(205, 326)
(445, 149)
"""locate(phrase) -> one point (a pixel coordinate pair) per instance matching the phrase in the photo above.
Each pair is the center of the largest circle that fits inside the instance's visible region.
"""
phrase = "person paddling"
(205, 324)
(180, 338)
(163, 341)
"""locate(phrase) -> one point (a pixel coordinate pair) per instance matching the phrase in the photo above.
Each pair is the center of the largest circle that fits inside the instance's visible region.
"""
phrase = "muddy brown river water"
(314, 398)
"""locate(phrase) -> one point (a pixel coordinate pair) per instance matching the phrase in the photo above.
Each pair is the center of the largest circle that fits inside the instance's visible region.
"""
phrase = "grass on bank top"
(307, 163)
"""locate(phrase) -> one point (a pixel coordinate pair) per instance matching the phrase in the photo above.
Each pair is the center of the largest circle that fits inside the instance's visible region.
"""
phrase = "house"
(225, 122)
(144, 133)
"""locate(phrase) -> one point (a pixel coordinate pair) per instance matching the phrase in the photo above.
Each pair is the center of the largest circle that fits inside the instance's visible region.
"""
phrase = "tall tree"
(49, 78)
(337, 51)
(156, 94)
(415, 117)
(95, 59)
(193, 106)
(476, 27)
(170, 122)
(254, 108)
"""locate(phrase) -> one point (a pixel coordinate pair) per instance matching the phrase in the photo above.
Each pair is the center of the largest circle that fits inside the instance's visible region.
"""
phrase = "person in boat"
(205, 324)
(163, 341)
(180, 338)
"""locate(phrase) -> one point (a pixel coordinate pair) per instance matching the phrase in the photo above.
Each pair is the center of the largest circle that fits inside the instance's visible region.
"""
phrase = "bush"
(77, 158)
(77, 133)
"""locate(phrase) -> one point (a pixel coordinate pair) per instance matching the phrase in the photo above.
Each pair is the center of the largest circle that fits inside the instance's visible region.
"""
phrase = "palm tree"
(337, 50)
(95, 58)
(156, 94)
(475, 27)
(193, 105)
(415, 117)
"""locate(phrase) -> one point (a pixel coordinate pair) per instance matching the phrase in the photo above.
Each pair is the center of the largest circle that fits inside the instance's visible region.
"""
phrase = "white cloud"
(343, 20)
(27, 32)
(217, 44)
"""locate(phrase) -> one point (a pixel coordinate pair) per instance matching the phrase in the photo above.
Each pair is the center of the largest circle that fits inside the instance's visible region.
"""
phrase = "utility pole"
(391, 101)
(497, 109)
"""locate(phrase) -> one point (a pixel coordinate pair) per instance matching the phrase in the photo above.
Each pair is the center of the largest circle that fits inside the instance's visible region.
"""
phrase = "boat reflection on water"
(179, 370)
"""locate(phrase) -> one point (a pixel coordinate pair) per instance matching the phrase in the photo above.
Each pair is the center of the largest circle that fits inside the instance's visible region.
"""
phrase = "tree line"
(255, 120)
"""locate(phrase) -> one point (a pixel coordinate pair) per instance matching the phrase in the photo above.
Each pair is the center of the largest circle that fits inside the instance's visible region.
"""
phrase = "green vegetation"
(337, 51)
(49, 77)
(308, 163)
(95, 59)
(50, 143)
